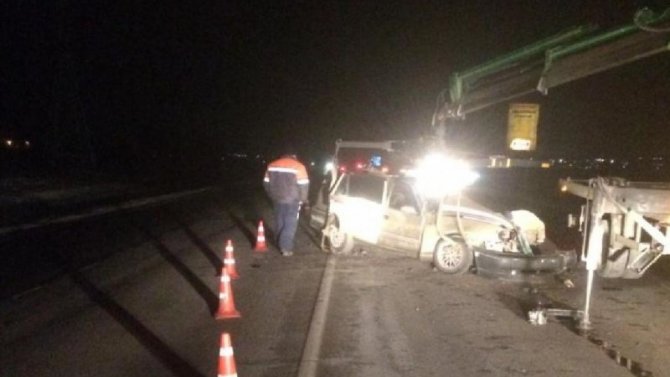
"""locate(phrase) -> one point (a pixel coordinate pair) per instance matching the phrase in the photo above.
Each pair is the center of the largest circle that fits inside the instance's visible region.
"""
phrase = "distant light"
(545, 165)
(385, 169)
(360, 165)
(376, 161)
(564, 188)
(9, 142)
(27, 143)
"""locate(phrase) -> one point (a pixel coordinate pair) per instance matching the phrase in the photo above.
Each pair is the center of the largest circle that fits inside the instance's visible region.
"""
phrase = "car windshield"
(408, 185)
(367, 187)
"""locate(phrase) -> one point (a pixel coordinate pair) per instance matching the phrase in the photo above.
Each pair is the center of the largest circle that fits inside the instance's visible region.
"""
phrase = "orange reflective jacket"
(286, 180)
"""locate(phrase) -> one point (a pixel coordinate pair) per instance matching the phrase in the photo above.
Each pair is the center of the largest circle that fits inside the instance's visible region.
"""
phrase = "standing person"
(287, 184)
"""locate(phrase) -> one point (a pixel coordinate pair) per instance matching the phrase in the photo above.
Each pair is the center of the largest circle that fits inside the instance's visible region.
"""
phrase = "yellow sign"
(522, 126)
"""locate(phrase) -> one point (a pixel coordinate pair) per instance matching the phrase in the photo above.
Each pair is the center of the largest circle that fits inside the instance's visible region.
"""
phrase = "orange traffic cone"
(260, 239)
(229, 261)
(226, 300)
(227, 366)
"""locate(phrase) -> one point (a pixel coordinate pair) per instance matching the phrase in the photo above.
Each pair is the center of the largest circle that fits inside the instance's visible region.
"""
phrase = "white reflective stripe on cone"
(229, 261)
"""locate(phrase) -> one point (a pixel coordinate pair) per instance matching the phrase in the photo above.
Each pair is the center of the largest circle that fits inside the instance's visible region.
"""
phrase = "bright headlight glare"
(437, 176)
(328, 167)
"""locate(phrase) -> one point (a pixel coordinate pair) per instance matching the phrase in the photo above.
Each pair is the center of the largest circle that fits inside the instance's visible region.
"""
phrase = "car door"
(401, 228)
(319, 209)
(357, 201)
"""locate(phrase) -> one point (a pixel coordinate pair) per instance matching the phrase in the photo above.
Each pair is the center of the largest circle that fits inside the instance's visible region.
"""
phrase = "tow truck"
(624, 223)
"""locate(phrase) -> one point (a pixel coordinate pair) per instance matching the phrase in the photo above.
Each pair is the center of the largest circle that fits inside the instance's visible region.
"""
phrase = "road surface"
(146, 307)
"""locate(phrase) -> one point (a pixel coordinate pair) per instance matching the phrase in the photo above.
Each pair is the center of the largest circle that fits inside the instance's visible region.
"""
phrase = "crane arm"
(565, 57)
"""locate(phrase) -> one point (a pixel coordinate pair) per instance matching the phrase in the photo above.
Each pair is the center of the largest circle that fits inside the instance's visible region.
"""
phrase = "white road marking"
(310, 355)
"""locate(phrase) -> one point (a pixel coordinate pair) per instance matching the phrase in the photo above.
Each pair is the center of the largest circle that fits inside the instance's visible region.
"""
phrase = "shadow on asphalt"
(527, 298)
(151, 342)
(247, 214)
(239, 223)
(530, 298)
(171, 360)
(201, 288)
(312, 234)
(246, 228)
(209, 254)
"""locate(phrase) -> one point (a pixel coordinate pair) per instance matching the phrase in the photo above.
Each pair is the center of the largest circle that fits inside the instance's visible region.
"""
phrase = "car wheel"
(340, 242)
(452, 256)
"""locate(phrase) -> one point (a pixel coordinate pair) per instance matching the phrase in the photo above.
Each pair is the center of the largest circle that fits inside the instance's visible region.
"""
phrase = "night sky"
(121, 82)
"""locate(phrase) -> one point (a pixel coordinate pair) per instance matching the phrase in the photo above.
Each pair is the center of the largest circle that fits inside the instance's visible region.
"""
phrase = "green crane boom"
(565, 57)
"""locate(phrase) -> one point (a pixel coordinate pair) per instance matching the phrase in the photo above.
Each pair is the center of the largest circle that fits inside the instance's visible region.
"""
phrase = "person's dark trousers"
(286, 218)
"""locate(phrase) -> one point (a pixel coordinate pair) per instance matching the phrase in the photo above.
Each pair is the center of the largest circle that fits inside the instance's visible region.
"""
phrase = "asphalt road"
(133, 294)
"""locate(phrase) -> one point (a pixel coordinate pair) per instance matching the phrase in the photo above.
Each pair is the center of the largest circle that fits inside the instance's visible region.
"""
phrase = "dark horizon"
(117, 85)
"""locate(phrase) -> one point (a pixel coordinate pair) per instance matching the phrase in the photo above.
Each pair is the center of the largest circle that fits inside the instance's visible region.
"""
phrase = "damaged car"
(430, 217)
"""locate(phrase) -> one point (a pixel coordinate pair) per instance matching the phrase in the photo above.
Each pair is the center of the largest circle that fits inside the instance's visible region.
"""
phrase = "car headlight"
(437, 176)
